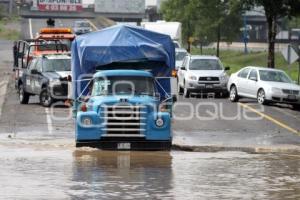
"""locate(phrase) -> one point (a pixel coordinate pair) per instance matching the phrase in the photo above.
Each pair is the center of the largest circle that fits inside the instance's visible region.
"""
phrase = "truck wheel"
(179, 89)
(45, 98)
(296, 106)
(23, 96)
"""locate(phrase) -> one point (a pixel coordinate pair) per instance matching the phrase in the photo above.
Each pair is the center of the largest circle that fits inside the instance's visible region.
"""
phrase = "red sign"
(60, 5)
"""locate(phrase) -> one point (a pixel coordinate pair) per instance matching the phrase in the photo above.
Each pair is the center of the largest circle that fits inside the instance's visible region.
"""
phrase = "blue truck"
(122, 89)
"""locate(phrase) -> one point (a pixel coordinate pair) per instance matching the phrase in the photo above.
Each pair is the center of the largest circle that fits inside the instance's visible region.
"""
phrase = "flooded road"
(42, 172)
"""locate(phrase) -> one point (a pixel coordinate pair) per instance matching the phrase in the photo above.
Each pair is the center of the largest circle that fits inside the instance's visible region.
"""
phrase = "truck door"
(37, 78)
(28, 76)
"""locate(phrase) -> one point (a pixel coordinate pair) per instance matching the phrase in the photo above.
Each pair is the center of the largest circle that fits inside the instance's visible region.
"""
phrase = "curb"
(3, 90)
(290, 149)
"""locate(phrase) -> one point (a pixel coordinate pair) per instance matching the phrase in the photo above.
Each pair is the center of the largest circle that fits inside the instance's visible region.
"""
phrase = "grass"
(6, 33)
(237, 60)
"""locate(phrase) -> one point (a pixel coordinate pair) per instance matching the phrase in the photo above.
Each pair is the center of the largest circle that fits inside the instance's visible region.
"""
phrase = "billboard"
(60, 5)
(120, 6)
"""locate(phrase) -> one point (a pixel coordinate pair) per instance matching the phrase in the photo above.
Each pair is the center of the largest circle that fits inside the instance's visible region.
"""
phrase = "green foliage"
(237, 60)
(204, 18)
(274, 10)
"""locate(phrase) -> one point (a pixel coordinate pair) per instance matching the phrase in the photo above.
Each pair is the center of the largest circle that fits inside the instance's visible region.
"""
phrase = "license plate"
(209, 86)
(292, 97)
(124, 146)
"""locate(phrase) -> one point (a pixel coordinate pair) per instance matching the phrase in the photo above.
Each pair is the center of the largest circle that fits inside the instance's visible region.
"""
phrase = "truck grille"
(124, 120)
(294, 92)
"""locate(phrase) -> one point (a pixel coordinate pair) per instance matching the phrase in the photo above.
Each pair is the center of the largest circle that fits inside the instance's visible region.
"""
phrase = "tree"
(274, 10)
(218, 20)
(179, 10)
(214, 20)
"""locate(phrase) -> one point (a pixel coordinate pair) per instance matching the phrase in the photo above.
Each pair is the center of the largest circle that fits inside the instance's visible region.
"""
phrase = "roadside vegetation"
(9, 27)
(237, 59)
(221, 20)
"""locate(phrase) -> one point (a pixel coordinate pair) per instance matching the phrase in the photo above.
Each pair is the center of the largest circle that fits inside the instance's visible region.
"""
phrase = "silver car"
(202, 74)
(264, 84)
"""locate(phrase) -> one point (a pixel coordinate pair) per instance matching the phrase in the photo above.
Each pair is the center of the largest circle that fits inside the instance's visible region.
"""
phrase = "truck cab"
(123, 112)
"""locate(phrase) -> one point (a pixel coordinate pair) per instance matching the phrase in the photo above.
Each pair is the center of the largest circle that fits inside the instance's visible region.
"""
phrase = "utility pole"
(10, 7)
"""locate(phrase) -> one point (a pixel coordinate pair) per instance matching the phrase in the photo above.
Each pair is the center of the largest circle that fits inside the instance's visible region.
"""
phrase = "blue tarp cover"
(120, 43)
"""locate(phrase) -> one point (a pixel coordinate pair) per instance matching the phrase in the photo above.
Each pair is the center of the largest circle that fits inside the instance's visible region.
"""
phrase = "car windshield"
(205, 64)
(180, 55)
(274, 76)
(53, 65)
(123, 85)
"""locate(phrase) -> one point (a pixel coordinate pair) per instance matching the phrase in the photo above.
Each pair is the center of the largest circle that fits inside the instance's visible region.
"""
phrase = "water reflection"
(121, 175)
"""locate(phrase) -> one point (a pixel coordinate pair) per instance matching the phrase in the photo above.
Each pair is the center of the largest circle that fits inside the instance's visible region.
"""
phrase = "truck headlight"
(86, 121)
(54, 82)
(159, 122)
(193, 78)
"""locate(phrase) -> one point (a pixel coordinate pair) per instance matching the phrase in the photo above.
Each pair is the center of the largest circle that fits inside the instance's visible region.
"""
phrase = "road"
(38, 159)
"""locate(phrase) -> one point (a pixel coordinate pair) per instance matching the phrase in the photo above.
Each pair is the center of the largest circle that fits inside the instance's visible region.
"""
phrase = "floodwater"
(63, 172)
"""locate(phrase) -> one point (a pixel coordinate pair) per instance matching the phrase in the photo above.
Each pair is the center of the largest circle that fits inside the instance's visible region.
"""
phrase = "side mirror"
(253, 78)
(227, 68)
(34, 71)
(182, 68)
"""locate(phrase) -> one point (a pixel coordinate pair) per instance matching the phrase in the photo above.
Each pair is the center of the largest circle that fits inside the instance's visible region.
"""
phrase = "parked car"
(202, 74)
(264, 84)
(82, 27)
(46, 76)
(180, 55)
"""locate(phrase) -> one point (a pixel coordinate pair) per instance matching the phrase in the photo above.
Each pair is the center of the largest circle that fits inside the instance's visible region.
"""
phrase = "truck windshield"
(53, 65)
(123, 85)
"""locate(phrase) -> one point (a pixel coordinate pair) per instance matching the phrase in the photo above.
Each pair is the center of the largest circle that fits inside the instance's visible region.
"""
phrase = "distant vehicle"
(82, 27)
(180, 55)
(46, 76)
(202, 74)
(173, 29)
(264, 84)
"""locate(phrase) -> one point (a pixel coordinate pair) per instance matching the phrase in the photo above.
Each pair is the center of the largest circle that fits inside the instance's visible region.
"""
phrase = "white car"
(264, 84)
(202, 74)
(180, 55)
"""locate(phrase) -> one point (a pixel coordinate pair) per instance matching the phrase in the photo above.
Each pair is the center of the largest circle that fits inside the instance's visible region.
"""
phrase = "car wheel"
(296, 106)
(261, 97)
(233, 95)
(23, 96)
(186, 91)
(179, 89)
(45, 98)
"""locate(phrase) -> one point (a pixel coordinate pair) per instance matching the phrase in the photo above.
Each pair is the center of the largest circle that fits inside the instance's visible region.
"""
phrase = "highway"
(222, 150)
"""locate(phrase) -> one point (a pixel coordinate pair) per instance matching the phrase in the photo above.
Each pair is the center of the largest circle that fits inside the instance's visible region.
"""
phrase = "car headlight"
(276, 90)
(159, 122)
(223, 78)
(193, 78)
(86, 121)
(53, 82)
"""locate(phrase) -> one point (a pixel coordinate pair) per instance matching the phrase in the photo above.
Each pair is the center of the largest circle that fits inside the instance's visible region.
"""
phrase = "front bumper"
(126, 144)
(196, 86)
(60, 91)
(284, 98)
